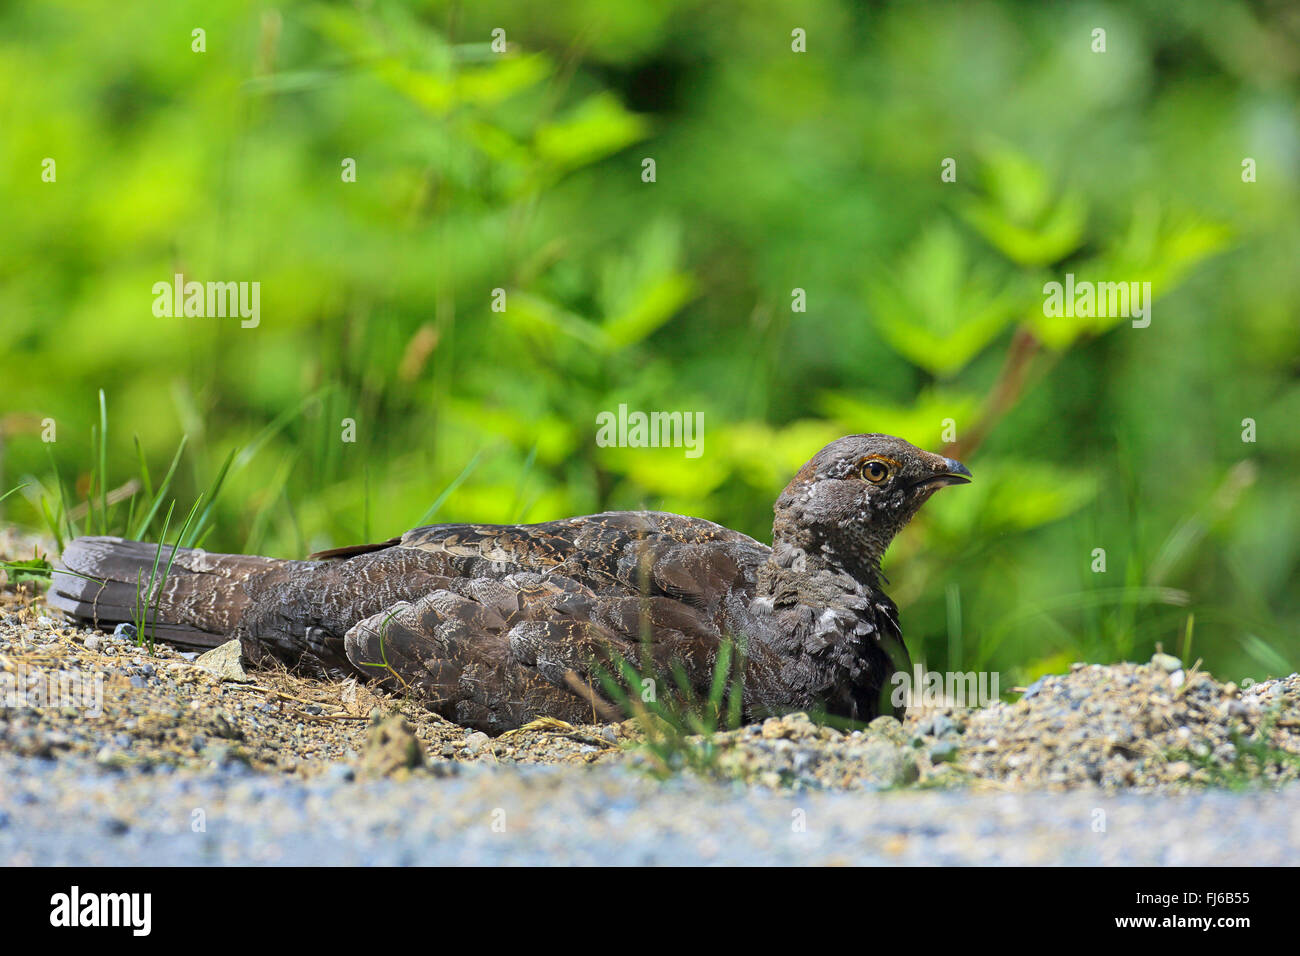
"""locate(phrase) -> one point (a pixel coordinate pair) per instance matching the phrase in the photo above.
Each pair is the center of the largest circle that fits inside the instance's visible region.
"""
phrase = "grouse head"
(845, 506)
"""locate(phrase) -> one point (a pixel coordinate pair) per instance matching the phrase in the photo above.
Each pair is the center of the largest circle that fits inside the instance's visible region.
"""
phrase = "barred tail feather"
(101, 580)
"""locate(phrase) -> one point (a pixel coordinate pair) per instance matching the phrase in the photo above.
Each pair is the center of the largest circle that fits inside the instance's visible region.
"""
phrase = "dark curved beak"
(957, 473)
(947, 471)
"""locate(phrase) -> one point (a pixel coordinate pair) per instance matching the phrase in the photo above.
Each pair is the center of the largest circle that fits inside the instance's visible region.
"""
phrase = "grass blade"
(103, 464)
(153, 626)
(12, 490)
(145, 482)
(142, 606)
(213, 490)
(64, 514)
(140, 530)
(446, 492)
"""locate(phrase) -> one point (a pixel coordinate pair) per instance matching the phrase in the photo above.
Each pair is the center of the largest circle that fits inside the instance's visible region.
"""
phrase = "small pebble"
(1167, 662)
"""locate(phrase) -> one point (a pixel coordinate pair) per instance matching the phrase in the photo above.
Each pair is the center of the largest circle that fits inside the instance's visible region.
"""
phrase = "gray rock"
(945, 751)
(941, 725)
(1167, 662)
(226, 663)
(888, 765)
(1033, 689)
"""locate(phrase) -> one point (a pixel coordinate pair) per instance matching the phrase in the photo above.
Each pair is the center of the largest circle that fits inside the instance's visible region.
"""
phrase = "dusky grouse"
(495, 625)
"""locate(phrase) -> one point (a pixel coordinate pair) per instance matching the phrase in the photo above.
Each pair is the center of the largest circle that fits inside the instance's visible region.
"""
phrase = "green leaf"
(33, 570)
(643, 289)
(658, 303)
(934, 309)
(1016, 212)
(921, 423)
(1059, 234)
(540, 318)
(597, 127)
(1155, 249)
(1010, 495)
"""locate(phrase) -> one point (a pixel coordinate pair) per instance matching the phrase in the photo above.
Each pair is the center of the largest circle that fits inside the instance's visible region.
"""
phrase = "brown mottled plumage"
(494, 625)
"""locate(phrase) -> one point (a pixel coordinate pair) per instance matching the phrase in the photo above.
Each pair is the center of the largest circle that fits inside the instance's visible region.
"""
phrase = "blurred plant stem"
(1019, 372)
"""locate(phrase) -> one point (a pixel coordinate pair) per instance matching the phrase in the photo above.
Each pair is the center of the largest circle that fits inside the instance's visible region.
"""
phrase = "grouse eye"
(875, 471)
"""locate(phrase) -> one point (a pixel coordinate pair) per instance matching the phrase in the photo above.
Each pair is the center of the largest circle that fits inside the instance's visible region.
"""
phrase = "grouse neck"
(807, 557)
(794, 573)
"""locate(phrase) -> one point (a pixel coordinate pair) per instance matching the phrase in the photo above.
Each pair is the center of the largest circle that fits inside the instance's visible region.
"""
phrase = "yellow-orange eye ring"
(873, 470)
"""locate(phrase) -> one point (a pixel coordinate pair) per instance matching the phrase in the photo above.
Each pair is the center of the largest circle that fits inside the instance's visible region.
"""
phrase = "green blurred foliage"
(776, 171)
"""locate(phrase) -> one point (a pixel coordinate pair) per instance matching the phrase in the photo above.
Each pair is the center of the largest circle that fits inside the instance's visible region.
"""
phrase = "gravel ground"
(78, 813)
(115, 753)
(68, 692)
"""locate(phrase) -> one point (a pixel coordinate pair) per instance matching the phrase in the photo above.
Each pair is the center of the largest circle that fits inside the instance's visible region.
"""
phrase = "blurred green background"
(775, 171)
